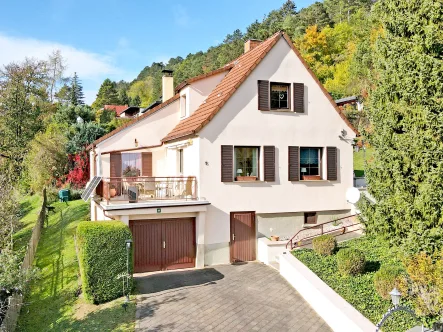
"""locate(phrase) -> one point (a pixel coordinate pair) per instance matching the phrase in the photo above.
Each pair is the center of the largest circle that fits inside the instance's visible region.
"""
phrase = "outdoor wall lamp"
(395, 296)
(128, 244)
(136, 143)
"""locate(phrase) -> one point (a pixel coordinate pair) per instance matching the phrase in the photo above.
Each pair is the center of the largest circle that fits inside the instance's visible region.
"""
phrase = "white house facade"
(253, 149)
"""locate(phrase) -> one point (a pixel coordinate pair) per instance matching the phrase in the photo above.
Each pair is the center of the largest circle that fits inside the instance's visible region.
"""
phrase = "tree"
(107, 95)
(406, 114)
(81, 135)
(123, 97)
(23, 101)
(63, 95)
(56, 66)
(9, 209)
(136, 101)
(143, 90)
(76, 91)
(342, 10)
(46, 161)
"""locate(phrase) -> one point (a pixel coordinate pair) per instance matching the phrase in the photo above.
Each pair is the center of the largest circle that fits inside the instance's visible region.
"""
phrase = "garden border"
(16, 301)
(335, 311)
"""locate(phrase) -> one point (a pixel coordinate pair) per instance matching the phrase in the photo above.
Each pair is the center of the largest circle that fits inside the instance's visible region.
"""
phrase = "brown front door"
(243, 237)
(163, 244)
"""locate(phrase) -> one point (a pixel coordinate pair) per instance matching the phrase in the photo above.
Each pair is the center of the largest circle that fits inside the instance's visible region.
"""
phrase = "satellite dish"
(352, 195)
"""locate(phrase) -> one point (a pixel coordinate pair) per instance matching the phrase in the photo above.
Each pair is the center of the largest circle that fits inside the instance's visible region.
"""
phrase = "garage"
(163, 244)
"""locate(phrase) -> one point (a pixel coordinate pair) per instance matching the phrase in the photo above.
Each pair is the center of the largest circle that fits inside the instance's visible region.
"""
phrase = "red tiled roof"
(241, 69)
(117, 108)
(135, 120)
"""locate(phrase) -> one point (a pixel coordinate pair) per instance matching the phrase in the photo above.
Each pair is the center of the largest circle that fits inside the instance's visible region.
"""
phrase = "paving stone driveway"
(248, 297)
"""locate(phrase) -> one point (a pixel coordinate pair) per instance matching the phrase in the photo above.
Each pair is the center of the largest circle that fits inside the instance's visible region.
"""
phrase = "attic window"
(280, 95)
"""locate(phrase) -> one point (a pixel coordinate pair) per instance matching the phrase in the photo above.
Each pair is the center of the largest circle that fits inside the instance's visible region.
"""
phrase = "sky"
(116, 39)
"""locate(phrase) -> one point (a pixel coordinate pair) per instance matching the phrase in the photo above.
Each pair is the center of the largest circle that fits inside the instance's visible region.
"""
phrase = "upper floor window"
(246, 163)
(310, 163)
(183, 106)
(280, 95)
(131, 164)
(180, 161)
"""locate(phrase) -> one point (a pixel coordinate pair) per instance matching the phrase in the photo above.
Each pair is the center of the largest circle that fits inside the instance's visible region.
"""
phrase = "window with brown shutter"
(294, 163)
(280, 96)
(310, 217)
(331, 159)
(227, 163)
(146, 163)
(299, 97)
(263, 95)
(269, 163)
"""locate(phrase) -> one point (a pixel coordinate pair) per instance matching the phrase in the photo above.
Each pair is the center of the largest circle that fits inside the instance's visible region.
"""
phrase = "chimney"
(167, 85)
(251, 44)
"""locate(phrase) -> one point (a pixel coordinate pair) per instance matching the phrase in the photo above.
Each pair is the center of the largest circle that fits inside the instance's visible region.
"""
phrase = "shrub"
(388, 277)
(102, 257)
(324, 245)
(350, 261)
(426, 277)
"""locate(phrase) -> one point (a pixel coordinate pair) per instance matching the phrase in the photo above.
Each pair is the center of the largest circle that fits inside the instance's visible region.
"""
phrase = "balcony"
(146, 189)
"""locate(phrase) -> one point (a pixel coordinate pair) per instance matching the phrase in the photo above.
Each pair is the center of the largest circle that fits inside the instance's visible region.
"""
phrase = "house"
(118, 109)
(255, 148)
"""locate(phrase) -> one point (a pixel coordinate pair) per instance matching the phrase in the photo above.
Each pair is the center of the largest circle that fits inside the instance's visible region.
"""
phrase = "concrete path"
(248, 297)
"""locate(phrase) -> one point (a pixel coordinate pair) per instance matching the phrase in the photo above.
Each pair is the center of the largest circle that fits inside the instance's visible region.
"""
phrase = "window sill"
(252, 181)
(281, 110)
(314, 180)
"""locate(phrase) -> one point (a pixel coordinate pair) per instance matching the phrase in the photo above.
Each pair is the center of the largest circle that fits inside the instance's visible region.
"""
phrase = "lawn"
(54, 302)
(359, 290)
(359, 161)
(29, 209)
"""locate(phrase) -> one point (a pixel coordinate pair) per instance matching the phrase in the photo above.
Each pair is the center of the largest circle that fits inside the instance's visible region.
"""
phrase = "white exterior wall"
(240, 122)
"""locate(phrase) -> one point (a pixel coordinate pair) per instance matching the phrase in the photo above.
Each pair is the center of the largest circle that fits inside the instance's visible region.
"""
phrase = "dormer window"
(183, 106)
(280, 95)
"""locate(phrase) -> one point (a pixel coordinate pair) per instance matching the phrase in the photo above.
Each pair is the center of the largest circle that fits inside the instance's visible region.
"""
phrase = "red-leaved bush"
(78, 176)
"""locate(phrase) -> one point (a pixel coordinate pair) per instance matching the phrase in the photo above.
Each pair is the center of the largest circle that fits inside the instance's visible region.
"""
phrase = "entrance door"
(243, 237)
(163, 244)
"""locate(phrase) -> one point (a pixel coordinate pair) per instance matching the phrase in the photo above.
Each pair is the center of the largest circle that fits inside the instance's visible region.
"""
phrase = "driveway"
(248, 297)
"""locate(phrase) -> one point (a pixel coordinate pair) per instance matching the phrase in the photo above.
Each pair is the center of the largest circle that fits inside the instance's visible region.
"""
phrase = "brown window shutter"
(269, 163)
(294, 163)
(116, 165)
(227, 163)
(331, 160)
(146, 163)
(263, 95)
(299, 97)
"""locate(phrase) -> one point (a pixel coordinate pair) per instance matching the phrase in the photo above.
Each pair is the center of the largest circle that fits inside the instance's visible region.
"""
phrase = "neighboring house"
(118, 109)
(255, 148)
(352, 100)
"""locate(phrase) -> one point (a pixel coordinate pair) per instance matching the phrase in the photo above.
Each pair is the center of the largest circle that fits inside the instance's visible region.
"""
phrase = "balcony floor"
(152, 203)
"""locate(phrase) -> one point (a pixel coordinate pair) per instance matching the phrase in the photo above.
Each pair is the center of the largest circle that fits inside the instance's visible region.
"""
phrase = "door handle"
(164, 244)
(233, 237)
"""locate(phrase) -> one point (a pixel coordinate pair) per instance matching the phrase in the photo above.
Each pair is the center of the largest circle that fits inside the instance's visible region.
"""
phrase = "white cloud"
(181, 16)
(88, 65)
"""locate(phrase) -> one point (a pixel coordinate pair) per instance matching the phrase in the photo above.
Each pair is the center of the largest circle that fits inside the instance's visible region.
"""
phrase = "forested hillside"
(334, 36)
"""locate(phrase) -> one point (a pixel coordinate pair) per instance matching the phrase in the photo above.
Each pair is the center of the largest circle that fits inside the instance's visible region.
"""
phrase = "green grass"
(53, 303)
(359, 290)
(29, 208)
(359, 161)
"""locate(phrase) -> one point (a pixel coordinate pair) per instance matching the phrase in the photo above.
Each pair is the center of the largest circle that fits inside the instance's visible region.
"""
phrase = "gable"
(242, 122)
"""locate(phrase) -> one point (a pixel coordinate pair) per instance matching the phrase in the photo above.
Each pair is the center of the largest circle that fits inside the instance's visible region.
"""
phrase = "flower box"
(246, 178)
(311, 177)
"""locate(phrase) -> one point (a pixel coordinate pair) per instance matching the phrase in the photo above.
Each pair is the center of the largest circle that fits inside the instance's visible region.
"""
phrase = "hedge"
(102, 257)
(351, 261)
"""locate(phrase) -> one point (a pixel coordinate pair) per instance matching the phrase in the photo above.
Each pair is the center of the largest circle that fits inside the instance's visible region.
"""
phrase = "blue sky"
(116, 38)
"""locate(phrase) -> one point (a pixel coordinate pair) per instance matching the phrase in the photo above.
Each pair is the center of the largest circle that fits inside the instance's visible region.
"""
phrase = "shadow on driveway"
(160, 282)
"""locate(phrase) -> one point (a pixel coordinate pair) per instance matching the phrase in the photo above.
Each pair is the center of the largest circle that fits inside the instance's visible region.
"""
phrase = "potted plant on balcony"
(306, 177)
(112, 190)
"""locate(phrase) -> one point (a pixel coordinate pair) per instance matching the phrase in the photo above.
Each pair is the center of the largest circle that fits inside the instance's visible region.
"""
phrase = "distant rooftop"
(346, 100)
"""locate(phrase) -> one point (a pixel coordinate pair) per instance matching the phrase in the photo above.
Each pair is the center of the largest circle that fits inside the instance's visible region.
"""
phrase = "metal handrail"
(160, 188)
(321, 227)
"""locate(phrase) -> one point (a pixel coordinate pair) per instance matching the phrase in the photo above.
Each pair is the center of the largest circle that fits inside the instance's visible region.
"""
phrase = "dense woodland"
(389, 52)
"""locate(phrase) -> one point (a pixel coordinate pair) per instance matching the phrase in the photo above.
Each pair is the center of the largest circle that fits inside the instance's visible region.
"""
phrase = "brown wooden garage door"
(163, 244)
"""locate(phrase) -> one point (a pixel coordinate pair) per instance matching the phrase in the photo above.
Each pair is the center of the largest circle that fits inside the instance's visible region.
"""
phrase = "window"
(246, 163)
(310, 163)
(180, 161)
(183, 106)
(310, 217)
(280, 95)
(131, 164)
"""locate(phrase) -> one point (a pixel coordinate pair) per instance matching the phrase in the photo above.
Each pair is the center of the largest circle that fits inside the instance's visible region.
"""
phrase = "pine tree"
(406, 114)
(107, 95)
(136, 101)
(76, 91)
